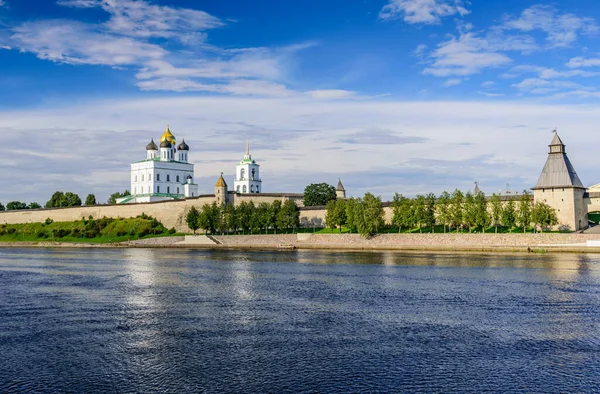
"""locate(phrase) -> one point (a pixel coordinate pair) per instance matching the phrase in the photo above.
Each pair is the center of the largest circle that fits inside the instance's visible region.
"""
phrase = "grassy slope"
(87, 231)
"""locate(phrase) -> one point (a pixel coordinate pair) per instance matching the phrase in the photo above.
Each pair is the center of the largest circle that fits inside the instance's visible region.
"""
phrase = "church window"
(142, 177)
(177, 190)
(238, 188)
(158, 189)
(178, 178)
(168, 190)
(158, 177)
(245, 189)
(257, 189)
(253, 173)
(242, 174)
(135, 178)
(168, 178)
(252, 188)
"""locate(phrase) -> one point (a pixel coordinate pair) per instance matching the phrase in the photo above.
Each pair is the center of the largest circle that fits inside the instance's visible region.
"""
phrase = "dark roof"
(165, 144)
(152, 145)
(183, 146)
(558, 171)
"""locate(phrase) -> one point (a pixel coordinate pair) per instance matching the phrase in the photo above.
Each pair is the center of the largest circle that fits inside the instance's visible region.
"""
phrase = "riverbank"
(511, 243)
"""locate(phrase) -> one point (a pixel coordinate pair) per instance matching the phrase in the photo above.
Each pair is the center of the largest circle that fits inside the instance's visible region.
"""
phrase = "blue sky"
(390, 95)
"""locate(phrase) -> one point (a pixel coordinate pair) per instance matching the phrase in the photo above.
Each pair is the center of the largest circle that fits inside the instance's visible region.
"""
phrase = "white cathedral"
(166, 173)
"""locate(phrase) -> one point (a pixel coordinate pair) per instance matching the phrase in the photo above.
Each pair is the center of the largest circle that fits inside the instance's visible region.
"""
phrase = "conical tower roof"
(558, 171)
(340, 187)
(221, 182)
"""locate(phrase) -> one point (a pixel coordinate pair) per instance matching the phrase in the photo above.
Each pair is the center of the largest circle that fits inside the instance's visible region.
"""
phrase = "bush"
(41, 234)
(121, 233)
(62, 232)
(172, 230)
(49, 221)
(11, 230)
(76, 232)
(91, 234)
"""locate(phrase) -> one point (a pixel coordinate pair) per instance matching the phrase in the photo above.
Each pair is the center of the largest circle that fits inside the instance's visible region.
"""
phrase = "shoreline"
(401, 243)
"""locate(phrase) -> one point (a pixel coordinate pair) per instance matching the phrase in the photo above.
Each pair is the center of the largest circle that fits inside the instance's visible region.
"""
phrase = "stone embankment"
(414, 241)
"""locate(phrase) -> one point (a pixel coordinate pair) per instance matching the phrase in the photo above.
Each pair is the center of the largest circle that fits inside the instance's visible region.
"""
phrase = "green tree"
(351, 215)
(15, 206)
(456, 209)
(57, 200)
(230, 219)
(340, 213)
(496, 204)
(273, 214)
(192, 219)
(289, 215)
(443, 209)
(469, 211)
(244, 215)
(509, 215)
(543, 215)
(524, 214)
(402, 212)
(263, 217)
(370, 215)
(482, 218)
(90, 200)
(317, 194)
(204, 219)
(34, 205)
(72, 200)
(2, 208)
(430, 211)
(420, 211)
(330, 214)
(113, 197)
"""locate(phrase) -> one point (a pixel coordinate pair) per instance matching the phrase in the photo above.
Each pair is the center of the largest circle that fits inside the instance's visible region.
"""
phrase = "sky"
(408, 96)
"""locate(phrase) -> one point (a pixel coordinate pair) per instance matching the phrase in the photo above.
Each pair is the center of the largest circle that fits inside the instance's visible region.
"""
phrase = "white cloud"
(422, 11)
(543, 86)
(140, 35)
(2, 3)
(331, 94)
(578, 62)
(561, 29)
(465, 55)
(452, 82)
(487, 84)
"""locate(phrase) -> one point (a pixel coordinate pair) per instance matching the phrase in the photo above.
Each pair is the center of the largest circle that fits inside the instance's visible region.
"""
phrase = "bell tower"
(247, 175)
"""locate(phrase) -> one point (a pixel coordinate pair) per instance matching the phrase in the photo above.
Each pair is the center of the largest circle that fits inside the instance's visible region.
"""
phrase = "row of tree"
(363, 215)
(454, 211)
(244, 218)
(62, 200)
(458, 210)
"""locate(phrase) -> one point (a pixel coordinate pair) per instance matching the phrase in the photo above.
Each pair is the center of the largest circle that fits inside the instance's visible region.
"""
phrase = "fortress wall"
(169, 213)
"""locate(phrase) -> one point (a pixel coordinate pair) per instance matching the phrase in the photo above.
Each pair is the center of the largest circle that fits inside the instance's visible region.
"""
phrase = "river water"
(160, 320)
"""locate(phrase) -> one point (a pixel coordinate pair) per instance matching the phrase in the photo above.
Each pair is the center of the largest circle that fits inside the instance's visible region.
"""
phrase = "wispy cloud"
(464, 55)
(578, 62)
(422, 11)
(141, 36)
(560, 29)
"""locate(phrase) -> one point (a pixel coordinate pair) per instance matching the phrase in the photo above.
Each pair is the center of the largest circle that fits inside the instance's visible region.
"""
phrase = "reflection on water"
(289, 321)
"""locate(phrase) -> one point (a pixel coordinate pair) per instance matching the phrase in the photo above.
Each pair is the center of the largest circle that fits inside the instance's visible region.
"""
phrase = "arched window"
(257, 189)
(135, 179)
(168, 178)
(253, 173)
(158, 177)
(177, 190)
(142, 177)
(252, 188)
(238, 188)
(158, 189)
(242, 174)
(245, 189)
(178, 178)
(168, 190)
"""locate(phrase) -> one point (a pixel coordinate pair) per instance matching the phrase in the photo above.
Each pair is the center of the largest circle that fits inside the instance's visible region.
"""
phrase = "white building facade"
(247, 175)
(166, 174)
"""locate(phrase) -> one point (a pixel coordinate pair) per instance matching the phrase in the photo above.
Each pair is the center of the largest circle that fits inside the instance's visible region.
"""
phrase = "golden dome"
(168, 136)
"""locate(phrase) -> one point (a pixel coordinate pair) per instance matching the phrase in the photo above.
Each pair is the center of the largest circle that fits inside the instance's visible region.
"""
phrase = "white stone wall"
(568, 202)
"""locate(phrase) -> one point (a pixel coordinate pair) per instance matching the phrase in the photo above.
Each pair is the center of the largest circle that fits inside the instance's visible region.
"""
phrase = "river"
(166, 320)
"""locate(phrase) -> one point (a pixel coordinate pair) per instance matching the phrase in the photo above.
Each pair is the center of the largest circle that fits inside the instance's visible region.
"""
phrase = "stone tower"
(340, 192)
(221, 191)
(560, 187)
